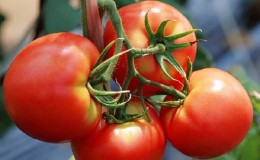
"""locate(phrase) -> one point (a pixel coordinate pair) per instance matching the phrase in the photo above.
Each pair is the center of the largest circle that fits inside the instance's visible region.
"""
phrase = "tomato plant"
(137, 139)
(56, 85)
(214, 118)
(45, 90)
(133, 19)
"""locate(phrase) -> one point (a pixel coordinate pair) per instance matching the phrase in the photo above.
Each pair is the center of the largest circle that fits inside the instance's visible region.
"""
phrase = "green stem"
(140, 52)
(132, 72)
(106, 65)
(110, 7)
(95, 92)
(143, 105)
(168, 89)
(83, 4)
(170, 104)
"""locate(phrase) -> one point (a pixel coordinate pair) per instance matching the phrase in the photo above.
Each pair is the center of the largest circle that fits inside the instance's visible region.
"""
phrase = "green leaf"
(59, 16)
(255, 99)
(250, 147)
(252, 88)
(225, 157)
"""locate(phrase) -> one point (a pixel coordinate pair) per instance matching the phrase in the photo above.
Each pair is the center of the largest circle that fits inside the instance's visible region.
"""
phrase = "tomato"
(45, 90)
(214, 118)
(133, 17)
(138, 139)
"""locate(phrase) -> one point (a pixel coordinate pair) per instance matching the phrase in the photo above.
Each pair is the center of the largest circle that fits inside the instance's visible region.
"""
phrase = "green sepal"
(105, 51)
(183, 34)
(160, 30)
(168, 41)
(107, 98)
(186, 87)
(168, 57)
(111, 119)
(102, 73)
(148, 27)
(105, 102)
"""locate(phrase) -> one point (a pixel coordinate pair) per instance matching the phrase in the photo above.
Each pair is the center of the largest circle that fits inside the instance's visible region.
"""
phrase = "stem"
(143, 105)
(105, 69)
(84, 24)
(95, 92)
(168, 89)
(139, 52)
(110, 7)
(104, 77)
(170, 104)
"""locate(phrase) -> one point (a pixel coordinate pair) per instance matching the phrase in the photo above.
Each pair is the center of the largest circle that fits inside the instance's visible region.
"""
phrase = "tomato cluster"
(51, 91)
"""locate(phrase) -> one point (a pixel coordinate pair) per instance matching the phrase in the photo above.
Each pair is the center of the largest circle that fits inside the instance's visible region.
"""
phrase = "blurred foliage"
(252, 87)
(2, 18)
(179, 4)
(5, 121)
(176, 3)
(203, 58)
(59, 16)
(250, 147)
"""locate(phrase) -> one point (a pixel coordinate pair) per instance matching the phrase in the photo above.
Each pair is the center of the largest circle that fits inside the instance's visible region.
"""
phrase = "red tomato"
(45, 90)
(138, 139)
(133, 17)
(214, 118)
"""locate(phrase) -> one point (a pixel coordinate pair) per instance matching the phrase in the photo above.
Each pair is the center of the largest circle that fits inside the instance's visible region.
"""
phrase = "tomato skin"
(214, 118)
(133, 17)
(44, 88)
(138, 139)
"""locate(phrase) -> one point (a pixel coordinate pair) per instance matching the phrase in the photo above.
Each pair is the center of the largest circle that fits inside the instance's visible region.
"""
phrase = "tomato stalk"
(161, 46)
(157, 39)
(102, 73)
(168, 89)
(83, 5)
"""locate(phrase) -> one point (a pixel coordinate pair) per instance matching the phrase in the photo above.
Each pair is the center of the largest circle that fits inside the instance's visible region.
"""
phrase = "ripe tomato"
(214, 118)
(133, 17)
(138, 139)
(44, 88)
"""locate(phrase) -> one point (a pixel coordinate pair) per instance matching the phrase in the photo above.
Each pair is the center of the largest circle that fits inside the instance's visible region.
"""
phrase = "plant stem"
(168, 89)
(110, 7)
(103, 71)
(84, 24)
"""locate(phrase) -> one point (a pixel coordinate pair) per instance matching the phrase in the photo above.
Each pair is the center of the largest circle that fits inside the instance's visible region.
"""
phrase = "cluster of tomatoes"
(207, 113)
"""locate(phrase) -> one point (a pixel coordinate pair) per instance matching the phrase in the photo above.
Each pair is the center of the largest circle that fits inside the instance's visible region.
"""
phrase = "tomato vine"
(74, 71)
(160, 47)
